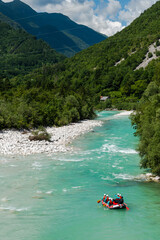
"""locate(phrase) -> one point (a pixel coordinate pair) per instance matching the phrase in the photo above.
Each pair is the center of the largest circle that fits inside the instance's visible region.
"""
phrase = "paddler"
(107, 199)
(121, 199)
(117, 196)
(117, 199)
(110, 202)
(104, 198)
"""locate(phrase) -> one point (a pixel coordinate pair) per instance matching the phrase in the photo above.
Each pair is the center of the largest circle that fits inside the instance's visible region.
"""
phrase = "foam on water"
(92, 171)
(115, 116)
(37, 166)
(140, 177)
(113, 138)
(12, 209)
(39, 192)
(116, 166)
(49, 192)
(123, 176)
(64, 190)
(111, 148)
(123, 113)
(5, 199)
(106, 178)
(70, 160)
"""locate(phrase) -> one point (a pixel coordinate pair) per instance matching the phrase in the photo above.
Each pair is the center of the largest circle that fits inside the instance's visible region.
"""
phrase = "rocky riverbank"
(151, 178)
(148, 177)
(14, 142)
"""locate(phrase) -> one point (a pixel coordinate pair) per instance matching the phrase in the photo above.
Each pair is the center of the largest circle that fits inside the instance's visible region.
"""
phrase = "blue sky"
(105, 16)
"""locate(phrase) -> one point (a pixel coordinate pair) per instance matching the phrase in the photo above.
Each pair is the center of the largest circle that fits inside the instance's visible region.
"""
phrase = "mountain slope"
(20, 52)
(97, 68)
(59, 31)
(16, 9)
(5, 19)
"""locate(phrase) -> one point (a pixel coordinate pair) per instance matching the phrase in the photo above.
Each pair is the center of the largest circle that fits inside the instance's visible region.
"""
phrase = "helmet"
(107, 195)
(104, 194)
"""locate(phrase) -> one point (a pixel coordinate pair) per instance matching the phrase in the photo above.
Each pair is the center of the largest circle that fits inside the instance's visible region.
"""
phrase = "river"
(54, 197)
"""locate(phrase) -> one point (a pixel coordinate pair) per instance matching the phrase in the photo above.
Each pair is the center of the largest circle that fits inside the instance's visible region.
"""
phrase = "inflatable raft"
(114, 205)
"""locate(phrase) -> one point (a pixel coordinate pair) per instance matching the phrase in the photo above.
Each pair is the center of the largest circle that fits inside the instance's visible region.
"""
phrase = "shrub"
(150, 55)
(40, 135)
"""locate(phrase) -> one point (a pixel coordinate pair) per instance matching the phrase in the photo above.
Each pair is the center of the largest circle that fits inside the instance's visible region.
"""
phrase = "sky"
(105, 16)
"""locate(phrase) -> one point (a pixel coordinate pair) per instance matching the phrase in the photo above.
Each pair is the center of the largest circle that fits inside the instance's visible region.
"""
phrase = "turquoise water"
(55, 197)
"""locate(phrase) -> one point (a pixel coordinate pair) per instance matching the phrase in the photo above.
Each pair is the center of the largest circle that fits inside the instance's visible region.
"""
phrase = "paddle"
(98, 201)
(126, 206)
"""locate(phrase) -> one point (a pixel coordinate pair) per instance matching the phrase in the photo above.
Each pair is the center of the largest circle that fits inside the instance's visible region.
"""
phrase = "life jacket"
(117, 200)
(104, 198)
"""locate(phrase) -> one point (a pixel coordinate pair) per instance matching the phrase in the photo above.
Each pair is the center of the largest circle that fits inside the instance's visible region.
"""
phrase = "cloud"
(113, 8)
(133, 9)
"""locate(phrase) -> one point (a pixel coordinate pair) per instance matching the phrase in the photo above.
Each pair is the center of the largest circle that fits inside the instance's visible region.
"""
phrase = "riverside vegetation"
(40, 135)
(147, 124)
(69, 90)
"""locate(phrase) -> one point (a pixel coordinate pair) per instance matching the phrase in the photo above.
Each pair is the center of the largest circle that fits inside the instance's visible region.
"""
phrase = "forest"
(21, 52)
(147, 124)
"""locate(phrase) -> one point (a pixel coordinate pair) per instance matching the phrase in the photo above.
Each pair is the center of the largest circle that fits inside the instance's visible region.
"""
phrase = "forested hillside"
(20, 52)
(109, 68)
(5, 19)
(147, 124)
(58, 30)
